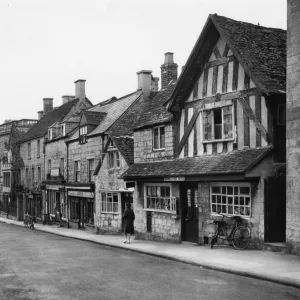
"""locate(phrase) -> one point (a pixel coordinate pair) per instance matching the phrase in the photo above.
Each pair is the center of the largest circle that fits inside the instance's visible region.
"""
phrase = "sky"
(47, 45)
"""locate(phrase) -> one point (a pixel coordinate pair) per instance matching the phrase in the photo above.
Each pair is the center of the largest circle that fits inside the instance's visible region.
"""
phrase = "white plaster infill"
(271, 266)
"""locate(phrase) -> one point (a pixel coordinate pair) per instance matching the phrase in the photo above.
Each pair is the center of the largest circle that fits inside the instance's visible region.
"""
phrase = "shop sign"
(81, 194)
(178, 178)
(54, 172)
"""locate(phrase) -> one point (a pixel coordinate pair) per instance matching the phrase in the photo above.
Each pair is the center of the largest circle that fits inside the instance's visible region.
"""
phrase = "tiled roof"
(41, 127)
(262, 49)
(156, 113)
(113, 109)
(125, 146)
(93, 117)
(230, 163)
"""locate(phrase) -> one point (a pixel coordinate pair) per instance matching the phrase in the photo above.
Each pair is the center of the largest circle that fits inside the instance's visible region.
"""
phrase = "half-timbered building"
(216, 139)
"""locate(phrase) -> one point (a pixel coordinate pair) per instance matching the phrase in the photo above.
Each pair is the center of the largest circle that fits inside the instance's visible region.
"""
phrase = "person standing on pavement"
(128, 220)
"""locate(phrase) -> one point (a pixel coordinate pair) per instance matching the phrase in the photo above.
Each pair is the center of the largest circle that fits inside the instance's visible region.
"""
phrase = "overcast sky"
(47, 45)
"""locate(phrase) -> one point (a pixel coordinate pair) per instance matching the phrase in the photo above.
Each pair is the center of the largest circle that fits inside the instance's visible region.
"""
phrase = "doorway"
(189, 204)
(275, 209)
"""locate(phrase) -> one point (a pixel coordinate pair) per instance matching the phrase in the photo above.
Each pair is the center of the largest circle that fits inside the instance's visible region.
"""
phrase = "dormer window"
(159, 138)
(82, 134)
(218, 124)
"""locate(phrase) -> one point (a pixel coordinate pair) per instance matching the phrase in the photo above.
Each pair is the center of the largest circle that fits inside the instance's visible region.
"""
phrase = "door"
(189, 202)
(275, 209)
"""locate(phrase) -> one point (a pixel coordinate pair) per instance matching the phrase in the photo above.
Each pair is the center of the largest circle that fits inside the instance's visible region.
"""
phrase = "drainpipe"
(66, 190)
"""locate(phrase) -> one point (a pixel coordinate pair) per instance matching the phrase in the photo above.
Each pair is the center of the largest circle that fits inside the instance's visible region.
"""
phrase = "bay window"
(231, 199)
(159, 197)
(109, 202)
(218, 123)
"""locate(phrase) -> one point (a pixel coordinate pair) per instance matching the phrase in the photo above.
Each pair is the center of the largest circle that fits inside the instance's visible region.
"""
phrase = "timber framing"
(199, 103)
(188, 130)
(218, 62)
(251, 115)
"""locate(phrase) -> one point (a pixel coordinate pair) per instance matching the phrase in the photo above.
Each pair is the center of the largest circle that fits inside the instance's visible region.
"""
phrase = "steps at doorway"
(276, 247)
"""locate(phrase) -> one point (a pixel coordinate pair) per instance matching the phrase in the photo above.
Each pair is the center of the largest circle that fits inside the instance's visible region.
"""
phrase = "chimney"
(144, 81)
(40, 114)
(80, 89)
(154, 84)
(67, 98)
(48, 105)
(168, 70)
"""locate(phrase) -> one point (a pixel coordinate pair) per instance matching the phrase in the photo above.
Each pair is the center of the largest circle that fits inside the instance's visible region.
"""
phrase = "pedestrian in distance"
(129, 217)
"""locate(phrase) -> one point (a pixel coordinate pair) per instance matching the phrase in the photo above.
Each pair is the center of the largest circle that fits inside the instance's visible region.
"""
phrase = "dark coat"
(128, 220)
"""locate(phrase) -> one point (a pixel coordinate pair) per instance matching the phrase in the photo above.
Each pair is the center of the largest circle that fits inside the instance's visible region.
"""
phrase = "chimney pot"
(80, 89)
(48, 105)
(169, 58)
(168, 70)
(40, 114)
(144, 80)
(67, 98)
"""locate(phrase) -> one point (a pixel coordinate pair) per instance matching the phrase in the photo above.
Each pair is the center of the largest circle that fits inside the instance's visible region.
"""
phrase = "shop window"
(159, 137)
(82, 134)
(6, 179)
(109, 202)
(74, 209)
(231, 199)
(113, 159)
(159, 197)
(218, 123)
(91, 169)
(77, 170)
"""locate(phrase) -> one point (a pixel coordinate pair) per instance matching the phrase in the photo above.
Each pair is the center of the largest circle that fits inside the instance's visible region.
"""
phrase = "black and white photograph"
(150, 149)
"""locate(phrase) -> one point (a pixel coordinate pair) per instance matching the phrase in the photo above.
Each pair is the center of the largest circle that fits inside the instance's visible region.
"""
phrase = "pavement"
(275, 267)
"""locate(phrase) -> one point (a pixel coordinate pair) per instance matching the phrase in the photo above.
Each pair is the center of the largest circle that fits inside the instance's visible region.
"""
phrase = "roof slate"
(41, 127)
(156, 113)
(114, 110)
(230, 163)
(93, 117)
(125, 146)
(262, 49)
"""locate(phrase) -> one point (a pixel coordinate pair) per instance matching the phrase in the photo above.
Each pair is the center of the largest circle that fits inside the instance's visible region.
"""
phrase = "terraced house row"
(211, 140)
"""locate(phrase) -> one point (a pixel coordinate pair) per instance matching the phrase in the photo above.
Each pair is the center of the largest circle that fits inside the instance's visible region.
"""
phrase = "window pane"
(153, 191)
(224, 199)
(245, 190)
(115, 196)
(214, 208)
(155, 138)
(236, 200)
(230, 209)
(207, 122)
(223, 209)
(214, 199)
(218, 199)
(162, 137)
(227, 122)
(229, 190)
(224, 190)
(218, 123)
(230, 200)
(115, 207)
(167, 191)
(148, 191)
(216, 189)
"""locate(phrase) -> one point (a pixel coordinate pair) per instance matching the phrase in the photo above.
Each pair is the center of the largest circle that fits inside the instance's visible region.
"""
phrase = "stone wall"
(293, 127)
(109, 180)
(83, 152)
(143, 145)
(165, 227)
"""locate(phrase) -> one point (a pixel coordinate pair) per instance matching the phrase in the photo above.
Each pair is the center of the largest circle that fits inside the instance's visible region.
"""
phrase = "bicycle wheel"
(218, 237)
(241, 237)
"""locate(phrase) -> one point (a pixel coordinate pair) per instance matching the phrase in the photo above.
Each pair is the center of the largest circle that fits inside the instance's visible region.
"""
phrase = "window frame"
(82, 134)
(6, 179)
(233, 195)
(212, 140)
(115, 162)
(29, 150)
(173, 208)
(32, 175)
(159, 138)
(39, 175)
(38, 148)
(112, 202)
(49, 166)
(90, 176)
(77, 168)
(62, 166)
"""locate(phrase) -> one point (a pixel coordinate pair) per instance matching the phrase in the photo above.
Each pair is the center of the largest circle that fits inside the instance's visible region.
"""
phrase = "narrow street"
(36, 265)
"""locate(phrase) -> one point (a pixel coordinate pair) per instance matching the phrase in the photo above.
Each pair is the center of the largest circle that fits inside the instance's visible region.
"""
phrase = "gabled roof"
(125, 145)
(74, 114)
(113, 109)
(235, 162)
(156, 113)
(91, 117)
(41, 127)
(260, 50)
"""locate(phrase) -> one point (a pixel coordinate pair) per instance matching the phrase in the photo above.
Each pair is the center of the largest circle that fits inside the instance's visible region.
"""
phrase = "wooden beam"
(199, 103)
(249, 112)
(216, 52)
(188, 130)
(218, 62)
(226, 50)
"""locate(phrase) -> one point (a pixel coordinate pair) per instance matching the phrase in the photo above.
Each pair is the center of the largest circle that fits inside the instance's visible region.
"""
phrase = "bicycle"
(239, 236)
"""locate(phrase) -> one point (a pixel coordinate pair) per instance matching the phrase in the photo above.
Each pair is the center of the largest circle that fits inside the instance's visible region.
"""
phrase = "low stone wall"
(109, 223)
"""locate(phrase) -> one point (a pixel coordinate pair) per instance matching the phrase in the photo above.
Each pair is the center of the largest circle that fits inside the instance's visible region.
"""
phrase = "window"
(49, 167)
(29, 150)
(62, 130)
(281, 114)
(77, 170)
(27, 176)
(159, 197)
(39, 175)
(218, 123)
(110, 202)
(113, 159)
(82, 134)
(91, 166)
(231, 199)
(6, 179)
(159, 137)
(32, 175)
(38, 148)
(62, 167)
